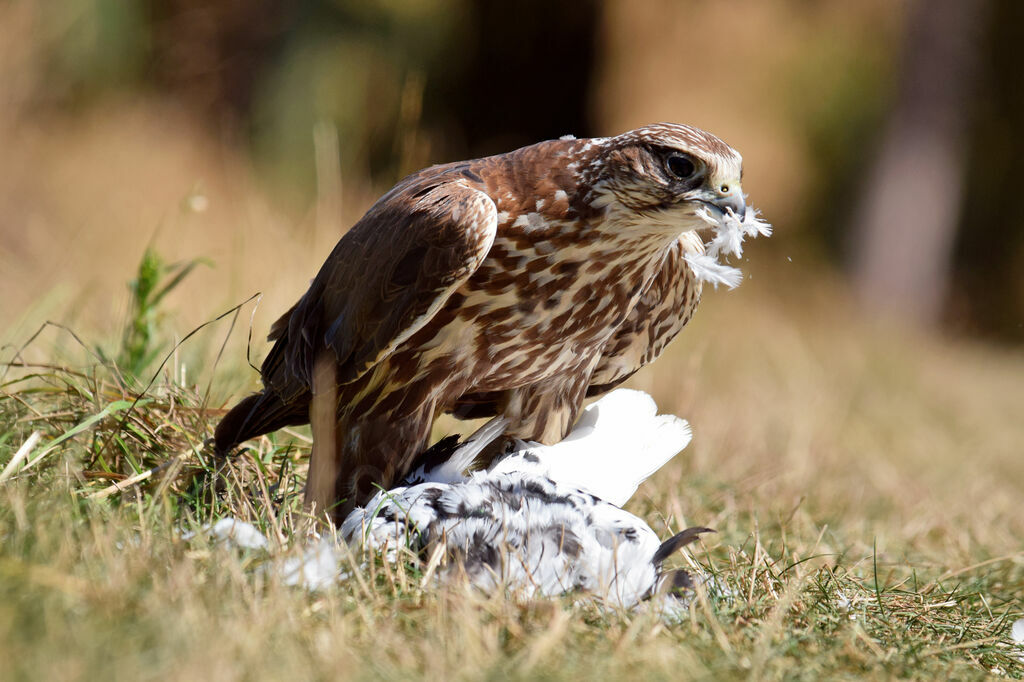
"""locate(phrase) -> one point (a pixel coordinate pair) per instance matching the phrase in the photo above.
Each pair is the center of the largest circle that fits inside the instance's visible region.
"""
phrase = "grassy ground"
(866, 486)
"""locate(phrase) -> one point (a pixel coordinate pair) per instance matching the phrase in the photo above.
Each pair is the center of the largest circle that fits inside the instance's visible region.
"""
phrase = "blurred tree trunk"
(525, 74)
(907, 218)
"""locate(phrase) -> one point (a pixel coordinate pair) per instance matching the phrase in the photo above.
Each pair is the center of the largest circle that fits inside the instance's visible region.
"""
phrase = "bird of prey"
(543, 520)
(513, 285)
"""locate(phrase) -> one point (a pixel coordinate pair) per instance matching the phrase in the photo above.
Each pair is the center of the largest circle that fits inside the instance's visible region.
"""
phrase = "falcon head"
(663, 175)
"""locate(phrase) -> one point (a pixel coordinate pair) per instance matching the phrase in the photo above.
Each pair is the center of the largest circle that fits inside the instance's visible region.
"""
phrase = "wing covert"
(383, 281)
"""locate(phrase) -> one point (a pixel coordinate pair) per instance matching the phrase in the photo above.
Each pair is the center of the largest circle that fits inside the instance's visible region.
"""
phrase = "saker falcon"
(513, 285)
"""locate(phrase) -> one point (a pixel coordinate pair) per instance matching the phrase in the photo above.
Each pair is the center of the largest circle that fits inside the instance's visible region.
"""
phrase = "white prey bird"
(542, 520)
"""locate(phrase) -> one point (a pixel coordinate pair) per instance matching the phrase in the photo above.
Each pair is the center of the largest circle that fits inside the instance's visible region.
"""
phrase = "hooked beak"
(721, 200)
(729, 197)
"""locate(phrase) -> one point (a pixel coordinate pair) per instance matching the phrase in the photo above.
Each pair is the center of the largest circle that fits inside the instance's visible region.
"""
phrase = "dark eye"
(681, 166)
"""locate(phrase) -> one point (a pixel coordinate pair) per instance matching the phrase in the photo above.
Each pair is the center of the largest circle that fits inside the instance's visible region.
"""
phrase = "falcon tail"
(258, 414)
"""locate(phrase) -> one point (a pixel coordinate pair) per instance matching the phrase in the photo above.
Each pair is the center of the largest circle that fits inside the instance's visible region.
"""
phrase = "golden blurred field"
(865, 475)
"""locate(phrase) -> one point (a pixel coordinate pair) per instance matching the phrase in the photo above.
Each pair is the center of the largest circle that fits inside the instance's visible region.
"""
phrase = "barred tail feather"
(258, 414)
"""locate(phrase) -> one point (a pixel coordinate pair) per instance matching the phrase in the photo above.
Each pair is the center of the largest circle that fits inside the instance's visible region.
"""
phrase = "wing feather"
(389, 275)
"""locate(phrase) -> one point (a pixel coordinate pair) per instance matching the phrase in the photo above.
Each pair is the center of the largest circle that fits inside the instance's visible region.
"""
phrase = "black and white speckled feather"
(543, 520)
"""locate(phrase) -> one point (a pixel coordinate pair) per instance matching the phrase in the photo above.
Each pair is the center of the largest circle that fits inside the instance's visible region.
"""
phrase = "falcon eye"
(681, 166)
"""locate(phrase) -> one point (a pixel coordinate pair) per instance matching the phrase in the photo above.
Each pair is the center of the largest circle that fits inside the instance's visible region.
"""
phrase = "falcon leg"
(545, 411)
(376, 450)
(324, 465)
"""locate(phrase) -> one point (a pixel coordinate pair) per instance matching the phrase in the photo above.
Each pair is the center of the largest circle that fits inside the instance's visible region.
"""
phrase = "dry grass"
(865, 485)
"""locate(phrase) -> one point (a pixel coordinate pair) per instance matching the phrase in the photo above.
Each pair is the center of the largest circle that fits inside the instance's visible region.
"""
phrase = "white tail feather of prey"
(618, 442)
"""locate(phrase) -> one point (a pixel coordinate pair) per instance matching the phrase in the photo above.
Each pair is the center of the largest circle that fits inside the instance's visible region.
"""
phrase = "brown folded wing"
(385, 279)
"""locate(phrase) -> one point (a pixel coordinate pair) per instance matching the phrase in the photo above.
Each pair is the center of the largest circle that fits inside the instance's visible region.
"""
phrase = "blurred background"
(882, 139)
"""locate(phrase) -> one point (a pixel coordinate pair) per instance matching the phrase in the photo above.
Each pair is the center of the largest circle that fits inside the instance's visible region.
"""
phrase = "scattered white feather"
(708, 269)
(729, 232)
(1017, 633)
(318, 567)
(232, 532)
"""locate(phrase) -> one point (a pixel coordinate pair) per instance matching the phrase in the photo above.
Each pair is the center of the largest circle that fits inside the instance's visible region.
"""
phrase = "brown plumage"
(516, 284)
